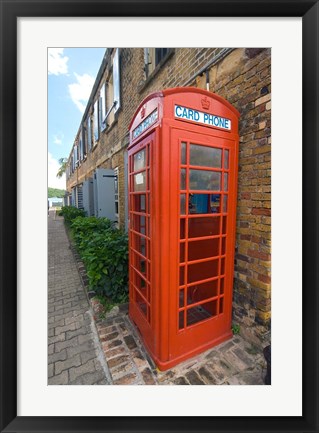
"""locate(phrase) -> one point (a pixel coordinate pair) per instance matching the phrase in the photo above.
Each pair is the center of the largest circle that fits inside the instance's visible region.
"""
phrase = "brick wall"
(243, 77)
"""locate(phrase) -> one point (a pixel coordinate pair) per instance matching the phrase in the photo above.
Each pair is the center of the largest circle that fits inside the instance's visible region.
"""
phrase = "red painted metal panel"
(183, 159)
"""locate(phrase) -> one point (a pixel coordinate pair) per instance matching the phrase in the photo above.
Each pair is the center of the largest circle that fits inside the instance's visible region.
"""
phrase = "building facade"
(243, 77)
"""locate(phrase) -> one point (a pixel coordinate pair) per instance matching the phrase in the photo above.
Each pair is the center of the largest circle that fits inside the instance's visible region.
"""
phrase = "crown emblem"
(143, 112)
(205, 103)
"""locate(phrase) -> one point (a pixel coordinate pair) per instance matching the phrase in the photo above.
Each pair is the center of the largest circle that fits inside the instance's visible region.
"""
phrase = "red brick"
(261, 211)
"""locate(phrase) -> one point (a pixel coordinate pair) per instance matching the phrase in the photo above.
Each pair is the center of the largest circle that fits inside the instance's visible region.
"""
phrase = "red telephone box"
(183, 158)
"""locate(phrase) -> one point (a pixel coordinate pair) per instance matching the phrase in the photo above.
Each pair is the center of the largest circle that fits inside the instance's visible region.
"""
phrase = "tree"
(62, 169)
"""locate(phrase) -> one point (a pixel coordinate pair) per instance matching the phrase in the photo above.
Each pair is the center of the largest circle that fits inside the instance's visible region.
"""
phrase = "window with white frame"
(89, 133)
(153, 57)
(102, 107)
(113, 91)
(80, 148)
(84, 147)
(96, 129)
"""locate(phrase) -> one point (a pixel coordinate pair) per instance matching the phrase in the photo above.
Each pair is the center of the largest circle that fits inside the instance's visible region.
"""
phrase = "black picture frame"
(10, 11)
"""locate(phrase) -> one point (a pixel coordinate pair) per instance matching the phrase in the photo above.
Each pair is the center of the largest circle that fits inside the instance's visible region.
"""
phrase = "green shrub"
(104, 251)
(70, 213)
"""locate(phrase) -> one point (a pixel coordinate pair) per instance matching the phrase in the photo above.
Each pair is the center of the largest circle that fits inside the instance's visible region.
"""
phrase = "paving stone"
(69, 320)
(139, 359)
(114, 352)
(54, 324)
(69, 343)
(148, 377)
(120, 370)
(226, 346)
(250, 378)
(80, 348)
(193, 378)
(86, 356)
(130, 342)
(68, 363)
(50, 349)
(117, 361)
(94, 378)
(81, 331)
(218, 372)
(51, 332)
(58, 356)
(84, 338)
(109, 337)
(50, 370)
(56, 338)
(111, 344)
(70, 327)
(206, 376)
(60, 379)
(126, 380)
(75, 372)
(180, 381)
(236, 363)
(243, 356)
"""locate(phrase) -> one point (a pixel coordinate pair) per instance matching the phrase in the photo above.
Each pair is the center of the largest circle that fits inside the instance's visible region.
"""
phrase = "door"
(140, 236)
(202, 291)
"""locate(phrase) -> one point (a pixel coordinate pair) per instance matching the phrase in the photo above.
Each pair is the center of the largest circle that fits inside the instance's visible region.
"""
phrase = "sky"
(71, 75)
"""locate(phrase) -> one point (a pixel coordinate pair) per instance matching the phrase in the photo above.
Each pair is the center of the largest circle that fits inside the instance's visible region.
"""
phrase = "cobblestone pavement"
(74, 352)
(115, 353)
(235, 362)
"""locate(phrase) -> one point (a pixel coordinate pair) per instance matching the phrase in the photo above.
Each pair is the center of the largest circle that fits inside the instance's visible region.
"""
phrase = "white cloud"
(81, 90)
(57, 139)
(53, 168)
(57, 63)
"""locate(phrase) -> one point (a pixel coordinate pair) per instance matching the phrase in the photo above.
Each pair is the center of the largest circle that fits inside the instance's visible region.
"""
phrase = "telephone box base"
(166, 365)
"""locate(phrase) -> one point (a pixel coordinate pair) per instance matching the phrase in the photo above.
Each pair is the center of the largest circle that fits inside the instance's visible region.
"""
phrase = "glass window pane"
(205, 156)
(140, 182)
(183, 204)
(224, 224)
(182, 228)
(181, 298)
(139, 160)
(204, 203)
(221, 286)
(221, 305)
(182, 275)
(226, 157)
(182, 252)
(141, 303)
(225, 201)
(202, 271)
(139, 202)
(183, 178)
(183, 153)
(201, 312)
(204, 180)
(222, 268)
(181, 320)
(207, 226)
(225, 182)
(139, 223)
(139, 244)
(223, 245)
(200, 292)
(203, 249)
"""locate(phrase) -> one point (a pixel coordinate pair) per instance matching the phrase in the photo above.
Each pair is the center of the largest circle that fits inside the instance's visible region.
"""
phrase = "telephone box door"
(204, 206)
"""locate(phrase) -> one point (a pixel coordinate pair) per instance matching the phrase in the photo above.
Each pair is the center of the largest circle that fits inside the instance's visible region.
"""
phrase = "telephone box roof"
(177, 90)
